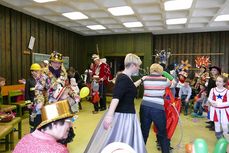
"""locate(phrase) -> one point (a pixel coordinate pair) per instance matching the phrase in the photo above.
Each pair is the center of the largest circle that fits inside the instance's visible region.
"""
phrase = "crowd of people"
(51, 89)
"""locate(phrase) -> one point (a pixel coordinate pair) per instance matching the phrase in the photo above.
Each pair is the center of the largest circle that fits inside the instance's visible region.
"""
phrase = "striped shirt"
(154, 90)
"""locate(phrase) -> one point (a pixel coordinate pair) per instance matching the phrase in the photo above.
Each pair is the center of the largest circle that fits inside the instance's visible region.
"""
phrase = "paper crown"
(55, 111)
(56, 57)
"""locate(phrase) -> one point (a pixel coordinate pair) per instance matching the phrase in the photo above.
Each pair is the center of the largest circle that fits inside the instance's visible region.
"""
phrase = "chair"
(20, 104)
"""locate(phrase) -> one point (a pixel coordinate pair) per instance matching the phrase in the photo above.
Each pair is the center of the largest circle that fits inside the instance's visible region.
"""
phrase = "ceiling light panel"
(176, 21)
(177, 5)
(75, 15)
(96, 27)
(120, 11)
(224, 17)
(133, 24)
(44, 1)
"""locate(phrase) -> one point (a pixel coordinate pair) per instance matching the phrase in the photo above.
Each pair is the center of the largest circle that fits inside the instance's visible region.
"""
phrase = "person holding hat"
(102, 72)
(55, 125)
(34, 93)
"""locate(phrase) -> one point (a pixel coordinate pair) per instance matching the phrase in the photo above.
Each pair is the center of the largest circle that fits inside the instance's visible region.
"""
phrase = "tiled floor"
(186, 132)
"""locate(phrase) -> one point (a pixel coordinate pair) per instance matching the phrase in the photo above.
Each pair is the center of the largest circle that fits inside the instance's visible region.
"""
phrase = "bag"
(6, 117)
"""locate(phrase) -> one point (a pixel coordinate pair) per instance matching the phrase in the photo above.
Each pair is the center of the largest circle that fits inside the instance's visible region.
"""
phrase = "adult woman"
(120, 123)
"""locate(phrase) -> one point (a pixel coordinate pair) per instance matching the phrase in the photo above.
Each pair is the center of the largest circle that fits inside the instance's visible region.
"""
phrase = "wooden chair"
(15, 122)
(20, 104)
(6, 133)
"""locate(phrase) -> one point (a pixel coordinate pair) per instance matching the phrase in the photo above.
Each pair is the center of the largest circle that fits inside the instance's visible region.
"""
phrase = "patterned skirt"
(125, 128)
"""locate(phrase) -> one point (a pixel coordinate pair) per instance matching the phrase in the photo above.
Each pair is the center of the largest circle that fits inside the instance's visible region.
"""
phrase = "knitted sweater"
(154, 90)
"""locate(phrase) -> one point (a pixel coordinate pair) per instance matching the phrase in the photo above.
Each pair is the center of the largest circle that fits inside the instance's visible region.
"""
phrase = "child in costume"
(200, 101)
(185, 93)
(34, 93)
(219, 109)
(95, 95)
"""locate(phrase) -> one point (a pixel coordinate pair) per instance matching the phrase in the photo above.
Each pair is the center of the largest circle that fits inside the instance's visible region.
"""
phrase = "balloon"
(167, 75)
(221, 146)
(188, 148)
(200, 146)
(84, 92)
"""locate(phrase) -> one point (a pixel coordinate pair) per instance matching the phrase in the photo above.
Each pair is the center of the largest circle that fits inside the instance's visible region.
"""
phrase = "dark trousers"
(33, 124)
(198, 108)
(96, 106)
(102, 94)
(149, 115)
(184, 104)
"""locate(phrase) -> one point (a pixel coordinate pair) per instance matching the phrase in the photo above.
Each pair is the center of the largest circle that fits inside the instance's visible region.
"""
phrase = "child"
(218, 99)
(185, 93)
(199, 101)
(95, 96)
(2, 83)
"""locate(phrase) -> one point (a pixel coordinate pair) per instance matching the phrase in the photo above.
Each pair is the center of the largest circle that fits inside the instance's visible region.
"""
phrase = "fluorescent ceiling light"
(222, 17)
(177, 5)
(75, 15)
(43, 1)
(176, 21)
(96, 27)
(119, 11)
(132, 24)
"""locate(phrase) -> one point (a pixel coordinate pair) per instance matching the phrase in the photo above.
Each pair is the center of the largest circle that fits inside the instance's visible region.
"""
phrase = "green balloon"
(200, 146)
(167, 75)
(221, 146)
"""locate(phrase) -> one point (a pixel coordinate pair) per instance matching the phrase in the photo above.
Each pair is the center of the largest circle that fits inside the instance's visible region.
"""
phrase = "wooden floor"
(186, 132)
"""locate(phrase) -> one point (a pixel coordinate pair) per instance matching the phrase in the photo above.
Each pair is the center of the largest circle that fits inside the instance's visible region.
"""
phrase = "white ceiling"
(151, 13)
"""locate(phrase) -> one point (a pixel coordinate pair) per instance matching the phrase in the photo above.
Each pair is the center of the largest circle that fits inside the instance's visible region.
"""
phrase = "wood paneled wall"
(15, 31)
(120, 45)
(206, 42)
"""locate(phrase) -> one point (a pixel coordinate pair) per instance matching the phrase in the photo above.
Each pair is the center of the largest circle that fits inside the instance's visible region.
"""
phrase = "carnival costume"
(220, 113)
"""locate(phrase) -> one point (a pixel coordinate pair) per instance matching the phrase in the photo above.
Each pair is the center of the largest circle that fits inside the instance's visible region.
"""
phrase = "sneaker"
(158, 146)
(95, 112)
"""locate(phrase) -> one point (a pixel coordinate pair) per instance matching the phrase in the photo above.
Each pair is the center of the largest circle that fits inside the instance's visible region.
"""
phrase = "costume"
(199, 103)
(125, 126)
(34, 92)
(219, 113)
(39, 142)
(101, 71)
(152, 109)
(185, 93)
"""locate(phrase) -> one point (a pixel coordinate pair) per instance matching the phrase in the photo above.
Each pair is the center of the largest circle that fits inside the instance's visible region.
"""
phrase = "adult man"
(57, 76)
(101, 72)
(55, 125)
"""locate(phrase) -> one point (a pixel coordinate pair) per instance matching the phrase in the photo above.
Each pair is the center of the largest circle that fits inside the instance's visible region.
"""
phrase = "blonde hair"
(132, 59)
(156, 68)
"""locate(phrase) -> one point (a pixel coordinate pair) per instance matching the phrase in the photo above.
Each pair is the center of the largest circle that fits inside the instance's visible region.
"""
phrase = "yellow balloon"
(84, 92)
